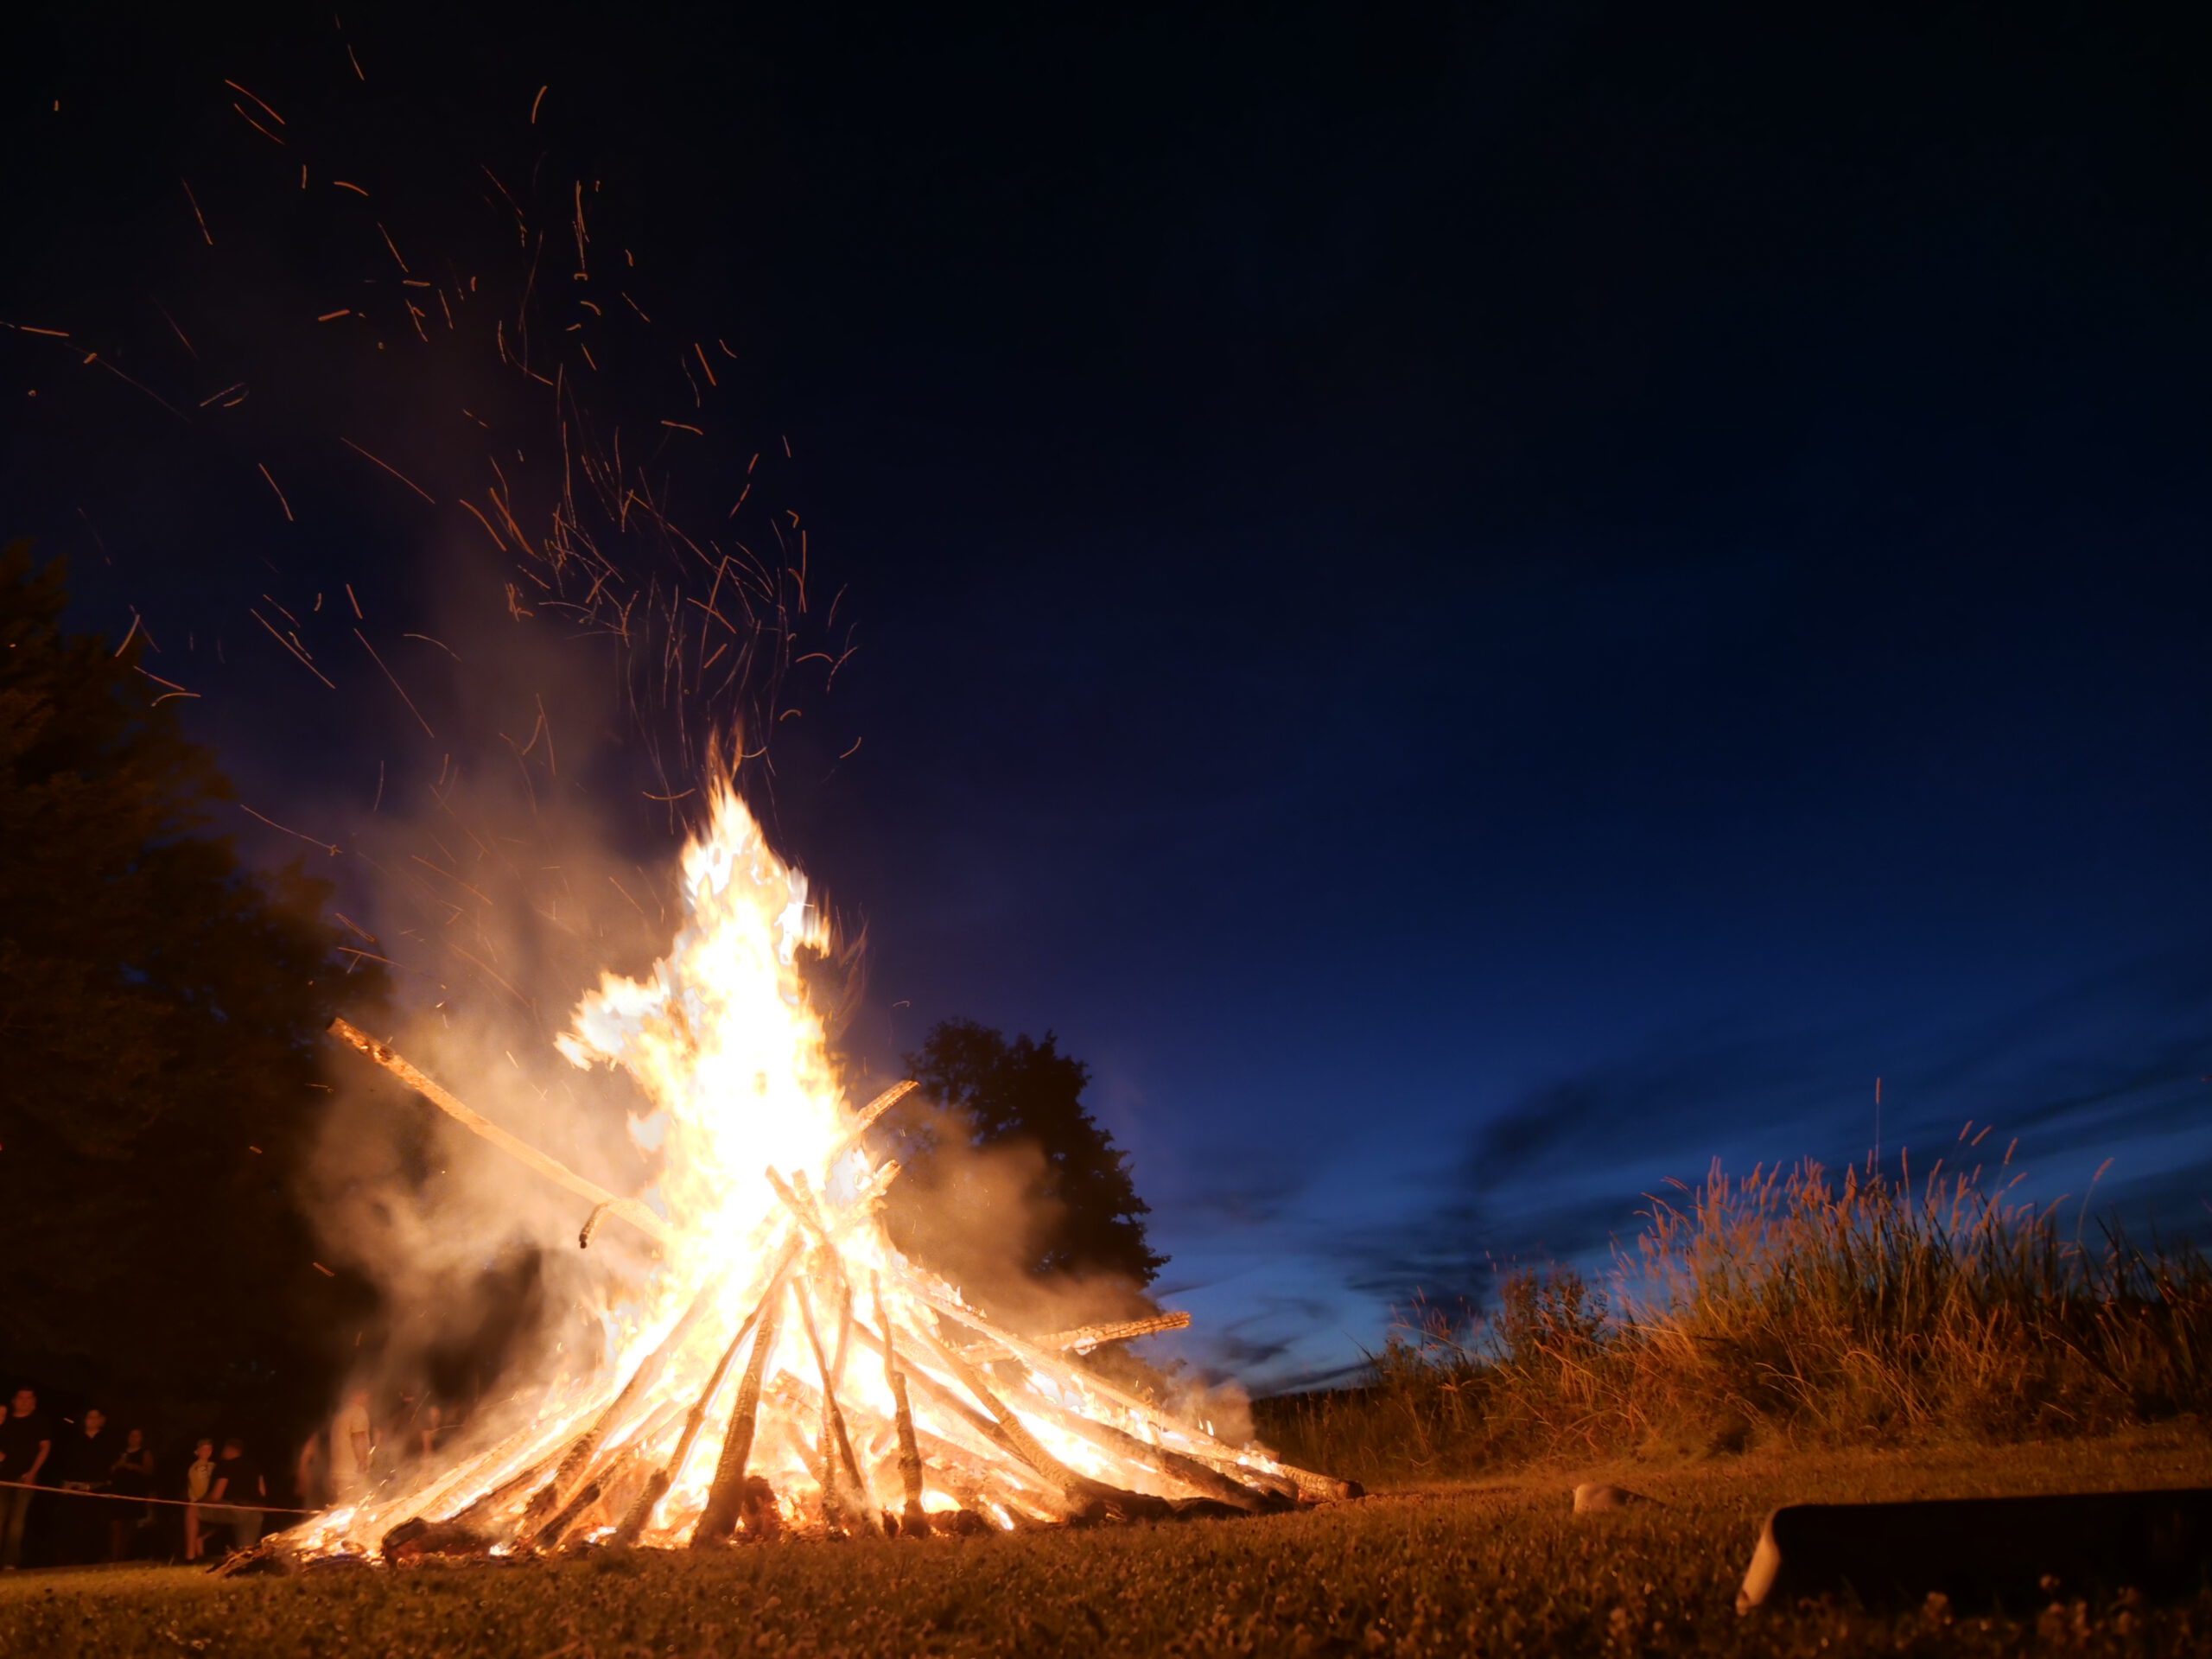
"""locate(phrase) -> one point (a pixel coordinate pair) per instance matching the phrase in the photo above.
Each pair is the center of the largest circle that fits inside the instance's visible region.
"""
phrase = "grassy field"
(1790, 1337)
(1471, 1567)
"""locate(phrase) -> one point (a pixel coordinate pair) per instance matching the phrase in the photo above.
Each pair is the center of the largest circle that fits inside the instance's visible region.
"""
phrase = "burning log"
(1272, 1480)
(551, 1534)
(1249, 1489)
(1061, 1492)
(498, 1458)
(500, 1496)
(1320, 1488)
(1010, 1432)
(1084, 1337)
(797, 1197)
(835, 1452)
(844, 1330)
(657, 1483)
(867, 1116)
(1052, 1480)
(914, 1518)
(962, 1472)
(573, 1463)
(872, 1189)
(1202, 1479)
(726, 1496)
(559, 1174)
(609, 1492)
(411, 1540)
(845, 1505)
(833, 1420)
(833, 1413)
(607, 1481)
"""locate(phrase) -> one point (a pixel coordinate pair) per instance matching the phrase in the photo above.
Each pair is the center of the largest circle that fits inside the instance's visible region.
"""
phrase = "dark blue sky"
(1478, 606)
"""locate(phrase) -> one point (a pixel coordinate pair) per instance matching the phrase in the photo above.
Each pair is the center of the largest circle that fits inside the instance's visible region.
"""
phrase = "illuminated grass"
(1791, 1308)
(1489, 1568)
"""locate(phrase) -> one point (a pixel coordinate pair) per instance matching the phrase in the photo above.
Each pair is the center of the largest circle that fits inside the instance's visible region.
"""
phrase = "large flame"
(724, 1044)
(775, 1273)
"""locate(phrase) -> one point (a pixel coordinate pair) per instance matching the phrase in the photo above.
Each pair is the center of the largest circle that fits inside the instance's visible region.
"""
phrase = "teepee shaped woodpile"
(788, 1371)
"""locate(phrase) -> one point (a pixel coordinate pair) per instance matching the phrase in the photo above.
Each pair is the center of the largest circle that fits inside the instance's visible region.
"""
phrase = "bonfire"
(787, 1372)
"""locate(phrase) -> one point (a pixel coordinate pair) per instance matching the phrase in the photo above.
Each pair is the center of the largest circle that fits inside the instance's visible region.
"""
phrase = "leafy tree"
(160, 1007)
(1074, 1211)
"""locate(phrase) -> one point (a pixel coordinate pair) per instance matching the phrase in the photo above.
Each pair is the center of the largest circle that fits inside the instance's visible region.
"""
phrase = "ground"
(1496, 1566)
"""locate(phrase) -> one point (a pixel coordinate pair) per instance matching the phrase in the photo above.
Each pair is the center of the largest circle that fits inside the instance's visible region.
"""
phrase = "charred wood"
(726, 1496)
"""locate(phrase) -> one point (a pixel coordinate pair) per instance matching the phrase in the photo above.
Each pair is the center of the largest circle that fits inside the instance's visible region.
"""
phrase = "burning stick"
(1008, 1431)
(1085, 1495)
(1051, 1481)
(796, 1196)
(869, 1191)
(1202, 1479)
(500, 1457)
(910, 1455)
(550, 1534)
(967, 1472)
(869, 1114)
(800, 1202)
(834, 1421)
(726, 1496)
(835, 1379)
(629, 1209)
(579, 1454)
(844, 1329)
(501, 1495)
(1318, 1487)
(603, 1484)
(1084, 1337)
(661, 1478)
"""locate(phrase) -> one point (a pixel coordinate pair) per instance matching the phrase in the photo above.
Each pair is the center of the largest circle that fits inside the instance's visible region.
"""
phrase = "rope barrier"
(172, 1502)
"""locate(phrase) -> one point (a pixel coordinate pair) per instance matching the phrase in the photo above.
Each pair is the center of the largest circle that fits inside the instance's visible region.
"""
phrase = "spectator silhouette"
(26, 1442)
(308, 1475)
(199, 1480)
(131, 1476)
(238, 1495)
(81, 1464)
(350, 1450)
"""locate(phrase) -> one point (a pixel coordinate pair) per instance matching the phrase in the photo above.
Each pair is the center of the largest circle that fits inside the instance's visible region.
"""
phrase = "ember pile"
(788, 1372)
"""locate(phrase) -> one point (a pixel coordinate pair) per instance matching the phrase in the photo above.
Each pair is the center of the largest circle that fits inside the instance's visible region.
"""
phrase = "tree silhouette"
(1082, 1217)
(160, 1006)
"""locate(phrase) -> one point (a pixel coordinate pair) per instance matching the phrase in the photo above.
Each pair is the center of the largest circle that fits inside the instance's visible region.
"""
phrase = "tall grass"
(1788, 1305)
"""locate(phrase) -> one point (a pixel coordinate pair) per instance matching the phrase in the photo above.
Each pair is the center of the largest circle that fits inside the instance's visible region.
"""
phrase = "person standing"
(311, 1491)
(350, 1448)
(131, 1476)
(26, 1442)
(81, 1464)
(238, 1494)
(199, 1480)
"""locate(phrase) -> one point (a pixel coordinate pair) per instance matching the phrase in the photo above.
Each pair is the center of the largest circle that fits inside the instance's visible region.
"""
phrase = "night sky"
(1477, 607)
